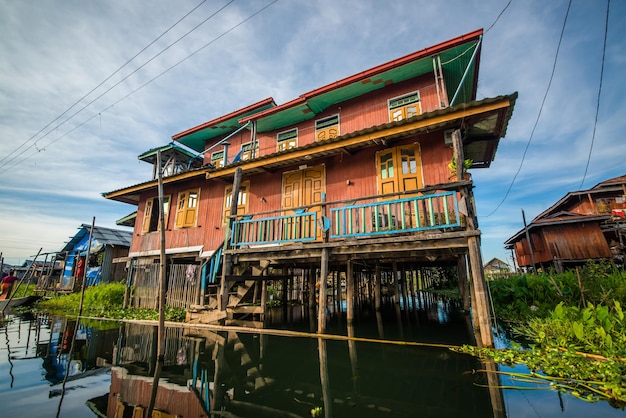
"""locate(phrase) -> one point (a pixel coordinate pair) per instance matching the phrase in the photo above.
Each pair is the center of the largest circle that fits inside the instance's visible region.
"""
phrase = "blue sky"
(53, 170)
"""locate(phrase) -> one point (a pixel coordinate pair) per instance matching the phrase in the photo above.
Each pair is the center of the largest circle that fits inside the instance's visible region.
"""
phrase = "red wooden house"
(583, 225)
(351, 180)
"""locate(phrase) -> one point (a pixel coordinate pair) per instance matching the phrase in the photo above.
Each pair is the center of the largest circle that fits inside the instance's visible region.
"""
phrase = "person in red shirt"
(7, 285)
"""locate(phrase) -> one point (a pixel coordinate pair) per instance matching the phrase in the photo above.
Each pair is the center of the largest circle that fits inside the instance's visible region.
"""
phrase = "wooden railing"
(366, 217)
(410, 214)
(297, 227)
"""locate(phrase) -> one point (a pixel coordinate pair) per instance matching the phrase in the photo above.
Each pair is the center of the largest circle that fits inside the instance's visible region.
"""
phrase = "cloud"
(54, 54)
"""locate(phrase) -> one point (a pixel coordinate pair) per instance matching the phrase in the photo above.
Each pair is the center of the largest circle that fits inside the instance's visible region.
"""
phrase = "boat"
(10, 303)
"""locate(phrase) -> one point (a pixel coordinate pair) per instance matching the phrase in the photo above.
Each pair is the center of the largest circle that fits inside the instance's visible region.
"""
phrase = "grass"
(105, 301)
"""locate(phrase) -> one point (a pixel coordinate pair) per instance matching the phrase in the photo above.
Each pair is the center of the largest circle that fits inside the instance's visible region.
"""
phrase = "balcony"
(359, 219)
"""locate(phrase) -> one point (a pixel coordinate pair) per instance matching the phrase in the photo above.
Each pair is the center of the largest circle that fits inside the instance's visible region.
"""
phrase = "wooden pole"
(530, 245)
(324, 379)
(349, 293)
(480, 305)
(377, 288)
(162, 290)
(461, 270)
(321, 314)
(396, 284)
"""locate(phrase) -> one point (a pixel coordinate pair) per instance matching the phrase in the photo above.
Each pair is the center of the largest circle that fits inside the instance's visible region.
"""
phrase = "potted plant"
(466, 165)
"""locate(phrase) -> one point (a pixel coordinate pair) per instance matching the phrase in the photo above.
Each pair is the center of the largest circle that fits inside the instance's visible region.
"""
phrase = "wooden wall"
(581, 241)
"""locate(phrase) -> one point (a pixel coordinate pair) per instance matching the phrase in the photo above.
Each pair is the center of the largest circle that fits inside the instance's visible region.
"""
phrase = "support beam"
(480, 299)
(377, 288)
(461, 270)
(349, 293)
(321, 315)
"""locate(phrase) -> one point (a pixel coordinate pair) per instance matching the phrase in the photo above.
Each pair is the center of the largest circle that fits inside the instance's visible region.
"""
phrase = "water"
(247, 374)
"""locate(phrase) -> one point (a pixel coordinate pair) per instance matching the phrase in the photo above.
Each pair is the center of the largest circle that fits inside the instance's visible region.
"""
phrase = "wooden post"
(311, 286)
(321, 315)
(461, 270)
(480, 304)
(349, 293)
(377, 289)
(263, 284)
(324, 379)
(530, 244)
(396, 284)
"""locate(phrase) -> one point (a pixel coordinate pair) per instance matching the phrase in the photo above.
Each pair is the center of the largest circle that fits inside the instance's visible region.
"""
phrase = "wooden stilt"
(349, 293)
(321, 316)
(396, 284)
(461, 270)
(405, 291)
(480, 305)
(377, 291)
(263, 284)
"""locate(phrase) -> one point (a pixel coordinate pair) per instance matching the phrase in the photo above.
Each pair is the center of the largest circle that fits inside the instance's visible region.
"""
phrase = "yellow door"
(399, 169)
(302, 188)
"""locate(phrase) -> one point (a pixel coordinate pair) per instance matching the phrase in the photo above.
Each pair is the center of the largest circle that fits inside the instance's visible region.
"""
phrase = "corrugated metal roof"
(102, 235)
(482, 156)
(455, 56)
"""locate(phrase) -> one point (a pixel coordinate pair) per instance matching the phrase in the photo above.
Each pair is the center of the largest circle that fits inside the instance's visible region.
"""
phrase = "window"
(247, 152)
(287, 139)
(151, 217)
(242, 202)
(399, 169)
(217, 159)
(404, 107)
(327, 128)
(187, 209)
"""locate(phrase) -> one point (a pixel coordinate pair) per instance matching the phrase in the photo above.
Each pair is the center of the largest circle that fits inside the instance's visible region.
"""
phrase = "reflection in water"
(227, 372)
(233, 373)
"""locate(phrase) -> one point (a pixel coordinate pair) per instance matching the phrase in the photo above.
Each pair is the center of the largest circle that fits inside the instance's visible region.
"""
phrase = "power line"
(498, 18)
(556, 55)
(595, 122)
(99, 85)
(151, 80)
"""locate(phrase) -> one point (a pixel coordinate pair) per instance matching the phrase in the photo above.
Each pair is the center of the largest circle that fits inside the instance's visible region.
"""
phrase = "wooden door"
(302, 188)
(399, 169)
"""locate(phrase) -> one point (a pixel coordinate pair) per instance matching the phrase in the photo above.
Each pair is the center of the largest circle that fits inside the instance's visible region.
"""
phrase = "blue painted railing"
(409, 214)
(298, 227)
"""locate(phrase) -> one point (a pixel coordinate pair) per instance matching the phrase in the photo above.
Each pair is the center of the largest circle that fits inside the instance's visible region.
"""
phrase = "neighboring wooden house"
(352, 177)
(496, 268)
(106, 245)
(583, 225)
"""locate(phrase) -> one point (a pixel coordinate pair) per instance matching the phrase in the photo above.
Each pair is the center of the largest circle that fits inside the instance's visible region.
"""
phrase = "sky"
(86, 87)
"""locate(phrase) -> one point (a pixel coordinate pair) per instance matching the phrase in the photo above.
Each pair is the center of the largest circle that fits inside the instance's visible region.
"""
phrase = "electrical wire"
(99, 85)
(556, 56)
(498, 18)
(147, 82)
(595, 122)
(121, 81)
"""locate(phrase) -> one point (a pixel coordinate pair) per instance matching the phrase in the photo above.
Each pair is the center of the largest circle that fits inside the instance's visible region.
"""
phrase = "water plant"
(573, 326)
(105, 301)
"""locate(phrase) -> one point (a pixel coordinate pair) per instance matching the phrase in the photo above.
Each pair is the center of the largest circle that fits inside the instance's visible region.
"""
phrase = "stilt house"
(583, 225)
(355, 181)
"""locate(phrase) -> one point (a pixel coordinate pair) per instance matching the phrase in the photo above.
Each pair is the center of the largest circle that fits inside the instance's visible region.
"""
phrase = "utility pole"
(530, 244)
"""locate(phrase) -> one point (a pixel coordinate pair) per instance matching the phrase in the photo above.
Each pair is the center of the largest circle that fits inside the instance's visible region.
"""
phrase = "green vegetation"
(23, 290)
(105, 301)
(575, 328)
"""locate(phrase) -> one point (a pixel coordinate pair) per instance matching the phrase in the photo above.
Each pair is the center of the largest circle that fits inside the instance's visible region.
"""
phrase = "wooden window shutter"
(147, 216)
(180, 210)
